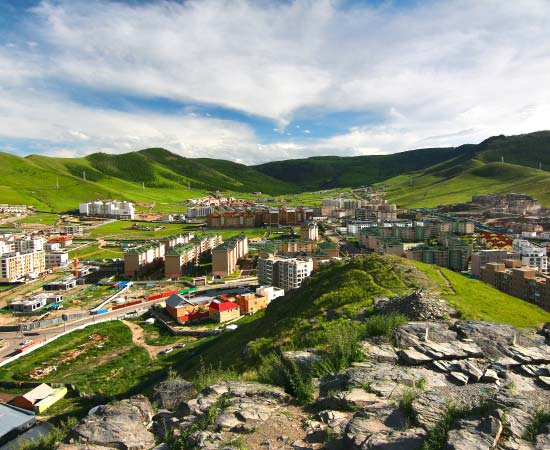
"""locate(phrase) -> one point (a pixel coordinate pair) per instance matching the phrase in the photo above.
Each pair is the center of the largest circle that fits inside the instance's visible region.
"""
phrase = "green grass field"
(119, 230)
(95, 252)
(476, 300)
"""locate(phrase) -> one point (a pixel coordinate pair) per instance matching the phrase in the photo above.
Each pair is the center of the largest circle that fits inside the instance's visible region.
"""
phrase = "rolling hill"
(424, 177)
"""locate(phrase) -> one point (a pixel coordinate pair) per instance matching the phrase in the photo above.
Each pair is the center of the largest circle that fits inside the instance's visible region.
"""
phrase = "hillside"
(425, 177)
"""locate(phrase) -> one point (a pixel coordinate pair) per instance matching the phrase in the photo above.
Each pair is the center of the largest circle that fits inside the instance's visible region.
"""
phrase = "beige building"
(223, 311)
(139, 259)
(178, 258)
(309, 231)
(226, 255)
(16, 266)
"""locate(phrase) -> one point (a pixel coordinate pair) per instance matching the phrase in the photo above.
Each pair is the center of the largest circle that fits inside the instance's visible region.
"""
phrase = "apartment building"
(16, 266)
(13, 209)
(108, 208)
(177, 239)
(450, 252)
(524, 282)
(28, 244)
(56, 259)
(482, 258)
(179, 258)
(284, 273)
(531, 255)
(73, 230)
(255, 217)
(195, 212)
(378, 210)
(142, 258)
(226, 255)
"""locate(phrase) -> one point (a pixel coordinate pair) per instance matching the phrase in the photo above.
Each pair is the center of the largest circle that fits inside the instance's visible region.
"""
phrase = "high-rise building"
(108, 208)
(285, 273)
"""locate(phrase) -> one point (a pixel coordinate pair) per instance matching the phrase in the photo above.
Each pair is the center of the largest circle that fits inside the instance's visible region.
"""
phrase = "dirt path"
(447, 282)
(138, 339)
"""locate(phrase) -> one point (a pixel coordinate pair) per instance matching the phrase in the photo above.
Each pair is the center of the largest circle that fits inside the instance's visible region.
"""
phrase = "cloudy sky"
(260, 80)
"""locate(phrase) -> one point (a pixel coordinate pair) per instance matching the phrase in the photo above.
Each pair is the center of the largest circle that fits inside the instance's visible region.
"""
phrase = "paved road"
(14, 339)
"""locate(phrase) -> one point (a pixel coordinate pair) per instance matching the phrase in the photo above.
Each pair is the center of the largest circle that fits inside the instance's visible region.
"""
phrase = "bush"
(51, 440)
(293, 378)
(541, 417)
(209, 375)
(342, 347)
(383, 325)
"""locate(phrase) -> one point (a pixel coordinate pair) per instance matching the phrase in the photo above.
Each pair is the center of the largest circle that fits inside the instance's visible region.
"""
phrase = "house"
(251, 303)
(223, 311)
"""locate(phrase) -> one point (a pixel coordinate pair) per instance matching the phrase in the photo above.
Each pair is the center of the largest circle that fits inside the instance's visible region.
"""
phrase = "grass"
(476, 300)
(94, 251)
(157, 334)
(119, 230)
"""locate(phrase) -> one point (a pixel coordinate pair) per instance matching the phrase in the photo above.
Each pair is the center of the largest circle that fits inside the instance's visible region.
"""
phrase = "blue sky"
(254, 81)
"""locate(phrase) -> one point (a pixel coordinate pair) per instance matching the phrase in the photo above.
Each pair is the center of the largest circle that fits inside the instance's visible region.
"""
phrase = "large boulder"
(475, 434)
(171, 394)
(122, 426)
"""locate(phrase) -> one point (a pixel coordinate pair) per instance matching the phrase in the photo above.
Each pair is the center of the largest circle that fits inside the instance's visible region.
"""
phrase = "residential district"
(221, 259)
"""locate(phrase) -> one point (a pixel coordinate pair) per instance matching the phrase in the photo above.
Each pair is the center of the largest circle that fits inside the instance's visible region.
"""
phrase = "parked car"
(26, 342)
(167, 350)
(180, 345)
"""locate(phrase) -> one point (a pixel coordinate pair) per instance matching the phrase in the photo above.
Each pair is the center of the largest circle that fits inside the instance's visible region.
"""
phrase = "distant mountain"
(418, 177)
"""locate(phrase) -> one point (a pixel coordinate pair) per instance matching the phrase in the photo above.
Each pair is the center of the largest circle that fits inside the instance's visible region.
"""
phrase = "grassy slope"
(297, 320)
(445, 186)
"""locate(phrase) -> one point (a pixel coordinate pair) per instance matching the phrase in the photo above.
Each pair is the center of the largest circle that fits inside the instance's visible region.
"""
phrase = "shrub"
(209, 375)
(342, 347)
(51, 440)
(382, 325)
(541, 417)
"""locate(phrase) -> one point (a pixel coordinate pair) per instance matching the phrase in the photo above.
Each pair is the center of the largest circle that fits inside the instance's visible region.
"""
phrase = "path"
(138, 338)
(447, 282)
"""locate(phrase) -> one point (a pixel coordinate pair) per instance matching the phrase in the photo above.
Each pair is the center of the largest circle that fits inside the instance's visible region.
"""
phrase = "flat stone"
(459, 378)
(412, 357)
(490, 376)
(379, 353)
(545, 381)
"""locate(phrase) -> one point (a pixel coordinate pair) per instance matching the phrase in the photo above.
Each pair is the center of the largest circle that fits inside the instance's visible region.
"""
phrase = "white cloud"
(440, 73)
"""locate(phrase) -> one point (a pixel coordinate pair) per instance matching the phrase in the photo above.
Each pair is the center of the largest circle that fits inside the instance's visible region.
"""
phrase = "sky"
(259, 80)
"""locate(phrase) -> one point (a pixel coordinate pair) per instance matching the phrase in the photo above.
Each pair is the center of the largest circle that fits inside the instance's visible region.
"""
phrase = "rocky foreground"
(455, 384)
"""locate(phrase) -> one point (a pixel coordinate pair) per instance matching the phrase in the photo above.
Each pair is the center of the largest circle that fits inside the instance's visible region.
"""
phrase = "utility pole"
(84, 175)
(57, 182)
(143, 185)
(502, 158)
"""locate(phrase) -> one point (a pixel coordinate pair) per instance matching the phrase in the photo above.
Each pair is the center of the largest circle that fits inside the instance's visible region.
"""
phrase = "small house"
(223, 311)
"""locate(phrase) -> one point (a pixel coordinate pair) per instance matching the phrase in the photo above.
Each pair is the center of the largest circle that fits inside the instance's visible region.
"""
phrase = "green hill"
(425, 177)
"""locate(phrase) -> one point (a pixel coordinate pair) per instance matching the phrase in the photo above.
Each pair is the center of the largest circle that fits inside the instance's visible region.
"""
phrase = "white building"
(284, 273)
(56, 259)
(29, 244)
(35, 302)
(108, 208)
(72, 230)
(198, 211)
(354, 228)
(531, 255)
(270, 292)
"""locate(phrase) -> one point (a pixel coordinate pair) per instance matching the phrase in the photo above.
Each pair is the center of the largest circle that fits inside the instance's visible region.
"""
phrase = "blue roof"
(14, 420)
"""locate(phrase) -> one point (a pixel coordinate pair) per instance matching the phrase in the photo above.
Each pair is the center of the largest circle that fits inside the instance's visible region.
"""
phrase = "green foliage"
(437, 437)
(405, 403)
(296, 379)
(383, 325)
(342, 347)
(540, 418)
(51, 440)
(208, 375)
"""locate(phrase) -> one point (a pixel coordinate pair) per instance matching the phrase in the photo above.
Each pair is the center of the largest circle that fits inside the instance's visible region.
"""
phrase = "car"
(167, 350)
(180, 345)
(26, 342)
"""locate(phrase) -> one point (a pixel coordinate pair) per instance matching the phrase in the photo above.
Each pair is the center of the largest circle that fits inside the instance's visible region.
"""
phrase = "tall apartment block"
(140, 259)
(183, 255)
(15, 266)
(309, 231)
(284, 273)
(226, 255)
(108, 208)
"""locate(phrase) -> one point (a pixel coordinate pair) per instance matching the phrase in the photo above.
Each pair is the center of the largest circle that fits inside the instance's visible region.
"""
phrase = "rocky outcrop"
(416, 306)
(480, 434)
(172, 393)
(122, 426)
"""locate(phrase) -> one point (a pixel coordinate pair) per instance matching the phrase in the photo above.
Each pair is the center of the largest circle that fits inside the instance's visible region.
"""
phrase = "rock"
(416, 306)
(335, 420)
(423, 331)
(81, 447)
(429, 408)
(470, 369)
(410, 439)
(122, 426)
(490, 376)
(412, 357)
(171, 394)
(480, 434)
(459, 378)
(379, 353)
(348, 400)
(545, 381)
(304, 359)
(543, 438)
(492, 337)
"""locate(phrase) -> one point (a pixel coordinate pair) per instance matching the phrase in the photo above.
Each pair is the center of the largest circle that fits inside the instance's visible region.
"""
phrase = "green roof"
(178, 250)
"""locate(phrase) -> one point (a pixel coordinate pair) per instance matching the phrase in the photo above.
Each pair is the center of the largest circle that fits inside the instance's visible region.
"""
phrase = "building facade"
(226, 255)
(108, 208)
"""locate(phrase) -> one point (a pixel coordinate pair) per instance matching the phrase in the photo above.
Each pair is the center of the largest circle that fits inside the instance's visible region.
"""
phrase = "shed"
(14, 421)
(51, 399)
(28, 400)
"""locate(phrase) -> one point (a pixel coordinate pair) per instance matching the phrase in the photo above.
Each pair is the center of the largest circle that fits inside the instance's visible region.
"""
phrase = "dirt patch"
(138, 338)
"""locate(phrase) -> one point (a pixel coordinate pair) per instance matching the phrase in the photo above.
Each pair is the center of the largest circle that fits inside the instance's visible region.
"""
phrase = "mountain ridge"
(421, 177)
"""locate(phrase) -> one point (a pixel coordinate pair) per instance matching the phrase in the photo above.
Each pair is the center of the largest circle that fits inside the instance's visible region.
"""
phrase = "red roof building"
(224, 311)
